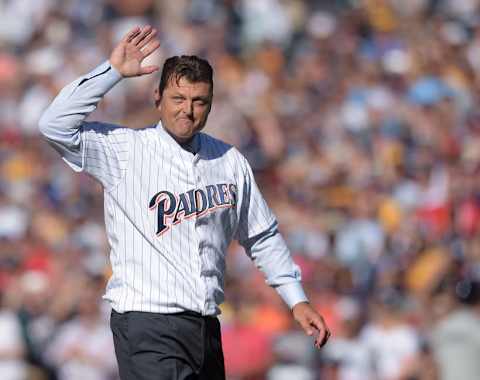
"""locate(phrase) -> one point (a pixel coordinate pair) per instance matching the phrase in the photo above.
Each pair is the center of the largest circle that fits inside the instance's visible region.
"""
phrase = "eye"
(201, 102)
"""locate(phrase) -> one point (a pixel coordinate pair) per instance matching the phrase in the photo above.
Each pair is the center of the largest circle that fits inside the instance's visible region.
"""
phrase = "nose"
(188, 108)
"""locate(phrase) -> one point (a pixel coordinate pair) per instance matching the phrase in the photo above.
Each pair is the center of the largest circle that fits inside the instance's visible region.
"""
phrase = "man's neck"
(178, 140)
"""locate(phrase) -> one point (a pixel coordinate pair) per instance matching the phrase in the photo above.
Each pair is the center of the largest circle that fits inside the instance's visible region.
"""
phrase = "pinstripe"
(209, 256)
(156, 187)
(132, 226)
(125, 278)
(175, 275)
(174, 298)
(179, 186)
(94, 150)
(159, 262)
(150, 248)
(187, 171)
(103, 163)
(234, 168)
(142, 267)
(168, 301)
(115, 229)
(183, 274)
(203, 258)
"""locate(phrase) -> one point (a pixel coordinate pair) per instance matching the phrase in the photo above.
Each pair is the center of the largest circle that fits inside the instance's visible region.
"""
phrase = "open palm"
(135, 46)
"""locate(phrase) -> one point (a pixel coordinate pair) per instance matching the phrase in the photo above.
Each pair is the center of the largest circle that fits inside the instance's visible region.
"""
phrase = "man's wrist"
(292, 293)
(103, 77)
(115, 74)
(301, 303)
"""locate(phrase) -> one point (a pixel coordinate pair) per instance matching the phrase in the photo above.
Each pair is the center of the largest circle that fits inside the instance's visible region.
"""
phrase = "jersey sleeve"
(98, 149)
(104, 152)
(258, 233)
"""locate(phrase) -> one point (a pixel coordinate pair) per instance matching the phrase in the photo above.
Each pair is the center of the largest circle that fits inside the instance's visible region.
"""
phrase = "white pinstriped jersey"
(170, 214)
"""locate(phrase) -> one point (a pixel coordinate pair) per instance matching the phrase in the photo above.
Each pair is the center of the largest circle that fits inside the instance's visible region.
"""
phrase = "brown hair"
(190, 67)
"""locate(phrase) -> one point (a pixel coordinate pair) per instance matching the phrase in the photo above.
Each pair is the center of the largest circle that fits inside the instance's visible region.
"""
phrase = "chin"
(184, 135)
(187, 132)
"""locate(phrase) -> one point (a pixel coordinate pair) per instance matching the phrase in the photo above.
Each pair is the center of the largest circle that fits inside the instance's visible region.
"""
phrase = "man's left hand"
(311, 322)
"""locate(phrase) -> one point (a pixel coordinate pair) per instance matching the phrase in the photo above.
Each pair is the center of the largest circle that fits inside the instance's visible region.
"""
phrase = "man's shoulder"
(103, 128)
(219, 147)
(148, 130)
(211, 140)
(145, 136)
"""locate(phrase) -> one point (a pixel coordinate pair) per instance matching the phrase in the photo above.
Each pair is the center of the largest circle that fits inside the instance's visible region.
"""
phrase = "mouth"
(185, 120)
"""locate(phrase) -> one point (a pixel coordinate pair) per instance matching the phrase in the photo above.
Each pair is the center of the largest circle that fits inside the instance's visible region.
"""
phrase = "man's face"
(184, 107)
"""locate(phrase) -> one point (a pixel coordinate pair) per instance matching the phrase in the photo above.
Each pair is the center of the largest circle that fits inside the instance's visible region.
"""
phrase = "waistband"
(186, 313)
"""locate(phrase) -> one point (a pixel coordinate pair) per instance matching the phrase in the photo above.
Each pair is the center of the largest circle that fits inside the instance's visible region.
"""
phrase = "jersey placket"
(199, 183)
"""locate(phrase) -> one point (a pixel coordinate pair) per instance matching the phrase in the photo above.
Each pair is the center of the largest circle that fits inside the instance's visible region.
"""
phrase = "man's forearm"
(292, 293)
(273, 258)
(61, 121)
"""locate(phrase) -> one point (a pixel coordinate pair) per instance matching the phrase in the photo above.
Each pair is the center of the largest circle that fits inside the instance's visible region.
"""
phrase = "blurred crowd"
(360, 120)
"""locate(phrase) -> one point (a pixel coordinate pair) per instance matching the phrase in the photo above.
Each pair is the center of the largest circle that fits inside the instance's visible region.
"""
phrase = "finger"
(322, 338)
(148, 70)
(140, 36)
(131, 34)
(306, 326)
(322, 331)
(317, 321)
(325, 340)
(147, 39)
(150, 48)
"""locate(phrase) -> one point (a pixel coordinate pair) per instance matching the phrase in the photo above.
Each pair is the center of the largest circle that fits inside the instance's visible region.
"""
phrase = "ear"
(211, 102)
(157, 97)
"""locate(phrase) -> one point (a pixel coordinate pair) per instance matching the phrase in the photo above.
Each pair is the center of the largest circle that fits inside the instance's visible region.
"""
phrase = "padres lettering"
(195, 202)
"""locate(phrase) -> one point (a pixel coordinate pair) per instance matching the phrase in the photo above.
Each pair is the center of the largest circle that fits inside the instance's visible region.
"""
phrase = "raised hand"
(135, 46)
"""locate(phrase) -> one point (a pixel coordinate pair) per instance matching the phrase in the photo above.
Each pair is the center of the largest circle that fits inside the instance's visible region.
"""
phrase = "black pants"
(152, 346)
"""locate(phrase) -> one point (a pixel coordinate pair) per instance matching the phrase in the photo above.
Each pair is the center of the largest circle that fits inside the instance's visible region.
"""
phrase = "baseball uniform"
(170, 214)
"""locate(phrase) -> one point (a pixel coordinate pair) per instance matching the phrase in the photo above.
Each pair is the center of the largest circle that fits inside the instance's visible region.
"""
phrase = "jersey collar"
(165, 136)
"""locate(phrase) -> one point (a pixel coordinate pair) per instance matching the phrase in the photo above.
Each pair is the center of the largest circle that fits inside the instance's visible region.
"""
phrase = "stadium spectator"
(360, 120)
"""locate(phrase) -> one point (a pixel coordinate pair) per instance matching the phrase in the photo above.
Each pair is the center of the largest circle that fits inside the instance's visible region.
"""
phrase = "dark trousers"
(152, 346)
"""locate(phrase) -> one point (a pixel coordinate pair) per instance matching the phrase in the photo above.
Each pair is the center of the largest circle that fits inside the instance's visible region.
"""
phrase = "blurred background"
(361, 121)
